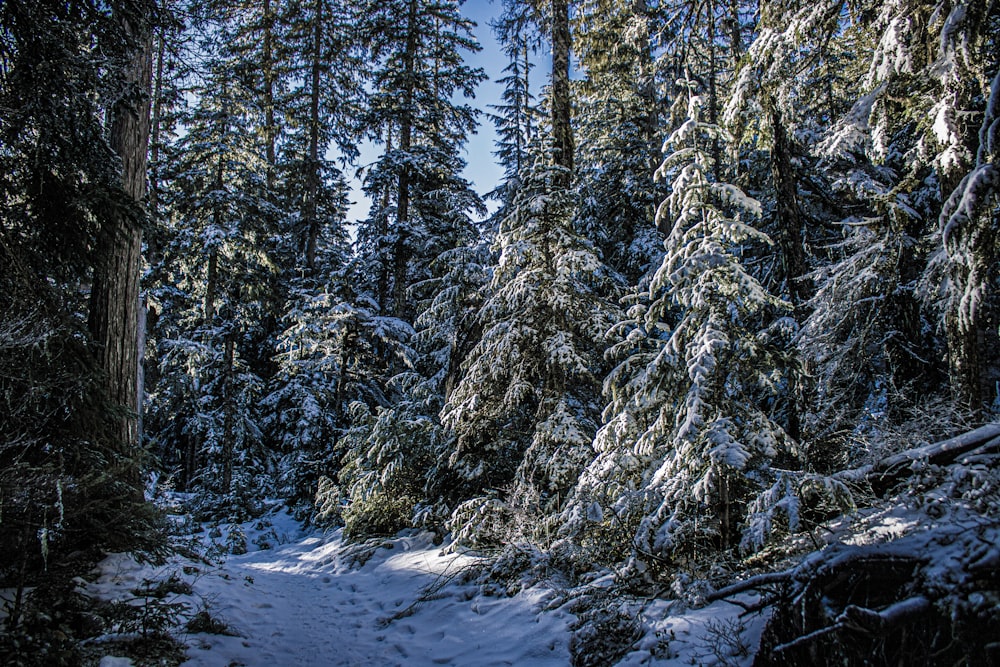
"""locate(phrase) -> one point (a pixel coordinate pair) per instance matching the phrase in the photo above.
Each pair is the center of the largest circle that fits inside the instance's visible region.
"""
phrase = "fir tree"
(525, 410)
(216, 274)
(617, 120)
(688, 439)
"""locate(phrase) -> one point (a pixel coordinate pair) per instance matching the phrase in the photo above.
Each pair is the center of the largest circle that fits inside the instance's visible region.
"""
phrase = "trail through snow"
(301, 605)
(310, 601)
(304, 603)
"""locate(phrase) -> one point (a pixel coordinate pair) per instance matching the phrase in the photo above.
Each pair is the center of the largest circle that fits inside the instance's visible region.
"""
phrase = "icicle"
(59, 503)
(43, 538)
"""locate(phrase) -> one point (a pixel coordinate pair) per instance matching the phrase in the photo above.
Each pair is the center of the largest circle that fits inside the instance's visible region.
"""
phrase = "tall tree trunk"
(383, 238)
(157, 119)
(270, 128)
(789, 214)
(713, 94)
(400, 253)
(562, 130)
(647, 89)
(114, 299)
(312, 166)
(229, 412)
(793, 259)
(212, 275)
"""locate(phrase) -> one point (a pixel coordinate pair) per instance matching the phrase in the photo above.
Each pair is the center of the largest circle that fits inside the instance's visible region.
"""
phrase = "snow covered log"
(933, 592)
(885, 473)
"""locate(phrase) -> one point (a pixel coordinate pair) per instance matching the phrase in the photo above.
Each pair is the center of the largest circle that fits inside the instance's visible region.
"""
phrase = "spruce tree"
(214, 289)
(688, 438)
(618, 118)
(525, 410)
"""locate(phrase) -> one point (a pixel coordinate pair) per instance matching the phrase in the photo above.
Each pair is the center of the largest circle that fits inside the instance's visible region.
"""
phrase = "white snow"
(309, 602)
(304, 603)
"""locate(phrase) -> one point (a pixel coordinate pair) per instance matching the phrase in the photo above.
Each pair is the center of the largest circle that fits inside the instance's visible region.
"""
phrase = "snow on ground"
(306, 601)
(302, 603)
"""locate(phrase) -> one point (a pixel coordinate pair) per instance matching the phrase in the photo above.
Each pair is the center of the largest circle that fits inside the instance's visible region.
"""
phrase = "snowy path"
(299, 604)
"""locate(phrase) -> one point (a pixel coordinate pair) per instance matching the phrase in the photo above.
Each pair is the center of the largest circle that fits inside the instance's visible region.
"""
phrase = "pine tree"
(688, 439)
(426, 254)
(525, 410)
(68, 479)
(617, 119)
(216, 272)
(418, 48)
(517, 116)
(333, 355)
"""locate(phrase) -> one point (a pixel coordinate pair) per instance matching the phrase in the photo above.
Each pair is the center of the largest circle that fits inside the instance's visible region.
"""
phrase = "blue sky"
(482, 169)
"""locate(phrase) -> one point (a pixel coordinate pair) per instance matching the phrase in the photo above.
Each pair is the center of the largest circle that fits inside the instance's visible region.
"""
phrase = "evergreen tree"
(68, 474)
(617, 120)
(426, 255)
(216, 270)
(688, 438)
(418, 48)
(525, 410)
(332, 357)
(516, 117)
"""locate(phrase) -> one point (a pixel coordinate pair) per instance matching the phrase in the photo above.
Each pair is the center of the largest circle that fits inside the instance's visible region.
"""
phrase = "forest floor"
(309, 599)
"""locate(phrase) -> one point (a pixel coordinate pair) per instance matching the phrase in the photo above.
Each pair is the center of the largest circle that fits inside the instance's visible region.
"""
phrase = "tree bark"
(562, 130)
(313, 175)
(400, 254)
(789, 214)
(270, 128)
(114, 298)
(229, 412)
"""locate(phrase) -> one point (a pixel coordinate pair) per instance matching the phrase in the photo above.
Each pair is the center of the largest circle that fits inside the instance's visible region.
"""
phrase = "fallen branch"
(888, 470)
(753, 583)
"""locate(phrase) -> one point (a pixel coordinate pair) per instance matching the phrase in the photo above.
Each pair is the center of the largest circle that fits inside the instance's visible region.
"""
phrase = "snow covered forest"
(725, 336)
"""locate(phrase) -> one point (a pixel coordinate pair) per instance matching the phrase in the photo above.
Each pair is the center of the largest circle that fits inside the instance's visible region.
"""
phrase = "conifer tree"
(418, 49)
(68, 476)
(216, 269)
(525, 410)
(434, 282)
(617, 120)
(688, 438)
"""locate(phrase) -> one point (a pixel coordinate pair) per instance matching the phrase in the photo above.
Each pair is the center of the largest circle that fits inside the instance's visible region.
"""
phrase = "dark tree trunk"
(157, 119)
(383, 239)
(400, 252)
(313, 165)
(229, 410)
(789, 215)
(270, 128)
(114, 299)
(789, 225)
(212, 275)
(562, 130)
(713, 95)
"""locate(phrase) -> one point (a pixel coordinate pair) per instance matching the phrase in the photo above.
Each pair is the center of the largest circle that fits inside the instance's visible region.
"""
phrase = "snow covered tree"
(333, 354)
(215, 283)
(419, 73)
(965, 72)
(525, 410)
(688, 437)
(319, 64)
(617, 120)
